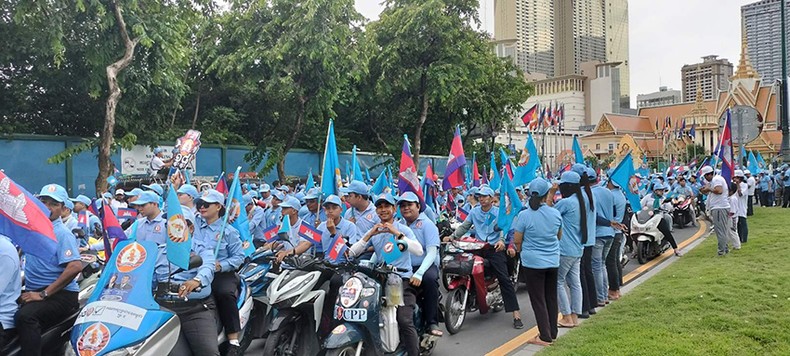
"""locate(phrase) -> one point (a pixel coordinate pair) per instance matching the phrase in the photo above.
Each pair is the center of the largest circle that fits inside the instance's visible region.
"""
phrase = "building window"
(611, 147)
(597, 146)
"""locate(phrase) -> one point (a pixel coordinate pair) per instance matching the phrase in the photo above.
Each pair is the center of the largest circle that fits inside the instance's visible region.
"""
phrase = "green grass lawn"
(702, 304)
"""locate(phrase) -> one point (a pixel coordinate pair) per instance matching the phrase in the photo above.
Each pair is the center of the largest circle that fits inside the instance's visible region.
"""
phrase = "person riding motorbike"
(655, 201)
(685, 190)
(229, 257)
(383, 236)
(484, 217)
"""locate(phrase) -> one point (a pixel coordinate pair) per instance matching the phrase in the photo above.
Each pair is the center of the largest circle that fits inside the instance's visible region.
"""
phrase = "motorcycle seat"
(48, 337)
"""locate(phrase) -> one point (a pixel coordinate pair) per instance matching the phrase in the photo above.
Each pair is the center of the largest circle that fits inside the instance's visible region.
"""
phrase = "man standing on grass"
(719, 205)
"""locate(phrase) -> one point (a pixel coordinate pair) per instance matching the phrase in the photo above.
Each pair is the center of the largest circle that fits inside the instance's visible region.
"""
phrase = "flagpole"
(228, 202)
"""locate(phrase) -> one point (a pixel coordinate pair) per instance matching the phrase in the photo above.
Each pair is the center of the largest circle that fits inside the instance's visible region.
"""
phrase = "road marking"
(522, 339)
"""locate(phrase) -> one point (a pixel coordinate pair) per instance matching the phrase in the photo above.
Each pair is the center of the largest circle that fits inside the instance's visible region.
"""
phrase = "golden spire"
(745, 69)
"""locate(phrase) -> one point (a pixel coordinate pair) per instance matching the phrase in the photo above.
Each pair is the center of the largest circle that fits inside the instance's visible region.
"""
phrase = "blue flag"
(381, 184)
(754, 166)
(355, 170)
(761, 161)
(348, 172)
(391, 251)
(240, 222)
(495, 179)
(528, 165)
(179, 242)
(310, 183)
(622, 177)
(577, 150)
(509, 204)
(330, 174)
(367, 176)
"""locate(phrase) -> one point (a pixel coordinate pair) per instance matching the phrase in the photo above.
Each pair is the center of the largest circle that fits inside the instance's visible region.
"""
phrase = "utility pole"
(785, 150)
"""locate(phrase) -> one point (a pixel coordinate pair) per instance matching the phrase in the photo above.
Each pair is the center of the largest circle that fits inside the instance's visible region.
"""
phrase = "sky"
(663, 36)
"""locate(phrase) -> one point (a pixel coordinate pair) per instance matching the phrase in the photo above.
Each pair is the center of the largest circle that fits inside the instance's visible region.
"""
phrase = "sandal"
(569, 326)
(434, 330)
(537, 341)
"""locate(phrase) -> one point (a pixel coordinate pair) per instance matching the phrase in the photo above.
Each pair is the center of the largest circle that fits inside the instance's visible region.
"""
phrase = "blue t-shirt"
(486, 229)
(256, 219)
(41, 273)
(540, 248)
(230, 254)
(427, 234)
(619, 204)
(604, 208)
(590, 220)
(10, 282)
(310, 217)
(403, 262)
(571, 242)
(346, 229)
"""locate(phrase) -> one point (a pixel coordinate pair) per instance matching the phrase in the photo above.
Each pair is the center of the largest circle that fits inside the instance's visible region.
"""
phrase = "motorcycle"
(468, 278)
(297, 296)
(650, 241)
(370, 323)
(681, 214)
(256, 272)
(123, 318)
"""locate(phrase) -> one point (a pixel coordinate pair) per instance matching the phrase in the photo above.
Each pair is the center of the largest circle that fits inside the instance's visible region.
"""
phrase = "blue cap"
(212, 196)
(134, 192)
(333, 199)
(82, 199)
(254, 193)
(410, 197)
(279, 195)
(156, 188)
(284, 188)
(145, 198)
(485, 191)
(69, 204)
(265, 188)
(158, 150)
(253, 186)
(291, 202)
(299, 196)
(245, 186)
(313, 194)
(570, 177)
(609, 174)
(659, 186)
(472, 191)
(54, 191)
(579, 169)
(247, 199)
(386, 197)
(459, 199)
(357, 187)
(591, 174)
(190, 190)
(539, 186)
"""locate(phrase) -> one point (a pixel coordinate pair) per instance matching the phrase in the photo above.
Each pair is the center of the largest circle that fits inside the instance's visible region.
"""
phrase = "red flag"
(25, 220)
(407, 177)
(270, 234)
(454, 173)
(531, 116)
(475, 175)
(112, 229)
(222, 185)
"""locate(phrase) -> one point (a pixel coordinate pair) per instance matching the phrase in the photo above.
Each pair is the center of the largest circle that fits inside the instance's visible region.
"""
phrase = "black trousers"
(542, 289)
(765, 199)
(198, 334)
(786, 197)
(589, 295)
(663, 226)
(34, 318)
(498, 262)
(225, 289)
(6, 336)
(405, 316)
(750, 206)
(428, 298)
(743, 229)
(613, 267)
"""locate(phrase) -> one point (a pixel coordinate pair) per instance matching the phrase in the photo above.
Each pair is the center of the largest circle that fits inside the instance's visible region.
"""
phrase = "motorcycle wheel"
(343, 351)
(279, 340)
(455, 312)
(445, 281)
(681, 220)
(643, 250)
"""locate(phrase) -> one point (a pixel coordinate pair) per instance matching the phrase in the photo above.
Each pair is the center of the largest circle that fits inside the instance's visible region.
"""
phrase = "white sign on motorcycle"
(352, 314)
(111, 312)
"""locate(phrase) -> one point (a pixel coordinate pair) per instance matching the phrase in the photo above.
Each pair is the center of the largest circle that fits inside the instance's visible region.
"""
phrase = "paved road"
(483, 333)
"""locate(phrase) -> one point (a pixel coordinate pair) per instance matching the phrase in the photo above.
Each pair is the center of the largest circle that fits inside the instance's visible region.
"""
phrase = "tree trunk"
(106, 139)
(423, 116)
(297, 130)
(197, 108)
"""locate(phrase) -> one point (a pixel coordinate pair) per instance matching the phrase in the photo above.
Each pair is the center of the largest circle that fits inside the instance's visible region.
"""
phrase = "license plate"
(354, 314)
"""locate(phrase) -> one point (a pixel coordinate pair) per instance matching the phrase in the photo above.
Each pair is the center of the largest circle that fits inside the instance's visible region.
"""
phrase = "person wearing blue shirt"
(574, 235)
(230, 255)
(256, 219)
(587, 177)
(766, 183)
(10, 287)
(195, 307)
(425, 266)
(50, 288)
(614, 269)
(91, 222)
(605, 230)
(69, 221)
(274, 213)
(187, 194)
(484, 219)
(682, 188)
(150, 225)
(537, 237)
(381, 236)
(362, 212)
(290, 207)
(786, 188)
(314, 214)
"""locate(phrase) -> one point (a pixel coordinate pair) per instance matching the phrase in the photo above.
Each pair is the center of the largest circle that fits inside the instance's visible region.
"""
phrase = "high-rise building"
(530, 24)
(762, 23)
(711, 75)
(663, 96)
(579, 34)
(616, 21)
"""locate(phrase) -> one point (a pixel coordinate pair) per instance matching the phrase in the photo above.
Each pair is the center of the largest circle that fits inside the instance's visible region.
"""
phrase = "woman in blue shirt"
(537, 236)
(574, 232)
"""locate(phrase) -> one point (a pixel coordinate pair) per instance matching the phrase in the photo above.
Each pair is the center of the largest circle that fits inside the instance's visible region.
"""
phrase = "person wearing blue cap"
(10, 288)
(195, 307)
(151, 223)
(256, 219)
(290, 207)
(684, 189)
(314, 214)
(86, 220)
(187, 194)
(614, 269)
(425, 267)
(156, 188)
(656, 203)
(133, 195)
(229, 257)
(362, 212)
(484, 219)
(50, 289)
(786, 188)
(537, 237)
(266, 194)
(274, 211)
(573, 210)
(606, 227)
(68, 217)
(158, 165)
(381, 236)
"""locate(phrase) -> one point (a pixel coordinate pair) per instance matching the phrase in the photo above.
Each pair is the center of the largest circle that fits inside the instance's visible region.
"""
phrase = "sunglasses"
(202, 205)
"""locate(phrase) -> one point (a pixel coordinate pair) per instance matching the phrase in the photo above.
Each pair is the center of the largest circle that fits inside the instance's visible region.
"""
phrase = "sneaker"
(234, 350)
(518, 324)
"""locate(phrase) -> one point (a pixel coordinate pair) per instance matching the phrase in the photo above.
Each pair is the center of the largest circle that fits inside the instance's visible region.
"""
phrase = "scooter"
(297, 296)
(650, 241)
(369, 321)
(681, 214)
(256, 273)
(468, 278)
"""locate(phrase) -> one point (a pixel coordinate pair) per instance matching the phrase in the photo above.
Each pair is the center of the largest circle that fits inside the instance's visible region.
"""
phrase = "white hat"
(119, 191)
(705, 170)
(738, 173)
(747, 172)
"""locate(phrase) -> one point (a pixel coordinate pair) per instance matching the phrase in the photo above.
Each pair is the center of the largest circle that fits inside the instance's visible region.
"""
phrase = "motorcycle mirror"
(195, 261)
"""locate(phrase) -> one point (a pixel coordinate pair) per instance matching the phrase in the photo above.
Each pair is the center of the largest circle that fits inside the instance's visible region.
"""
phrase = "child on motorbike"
(656, 202)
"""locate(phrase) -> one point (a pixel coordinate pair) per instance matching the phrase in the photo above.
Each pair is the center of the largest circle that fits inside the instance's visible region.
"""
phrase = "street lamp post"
(785, 148)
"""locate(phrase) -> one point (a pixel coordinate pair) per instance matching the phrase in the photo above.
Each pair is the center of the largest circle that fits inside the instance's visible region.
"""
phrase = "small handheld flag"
(391, 251)
(310, 233)
(338, 250)
(270, 234)
(462, 214)
(25, 220)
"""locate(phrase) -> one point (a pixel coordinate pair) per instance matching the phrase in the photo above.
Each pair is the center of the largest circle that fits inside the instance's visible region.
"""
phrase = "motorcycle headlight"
(350, 292)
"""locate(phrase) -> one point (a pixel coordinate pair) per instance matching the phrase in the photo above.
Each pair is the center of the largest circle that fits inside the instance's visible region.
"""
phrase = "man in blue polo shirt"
(362, 212)
(11, 286)
(50, 290)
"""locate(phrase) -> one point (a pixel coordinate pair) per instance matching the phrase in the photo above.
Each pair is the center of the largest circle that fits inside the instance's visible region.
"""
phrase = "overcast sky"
(664, 35)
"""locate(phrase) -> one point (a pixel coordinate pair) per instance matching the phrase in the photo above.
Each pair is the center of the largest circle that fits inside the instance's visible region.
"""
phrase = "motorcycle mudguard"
(283, 317)
(478, 274)
(644, 237)
(458, 282)
(343, 335)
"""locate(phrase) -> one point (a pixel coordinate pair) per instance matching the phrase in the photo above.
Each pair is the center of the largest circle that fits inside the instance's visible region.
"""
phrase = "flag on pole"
(408, 181)
(622, 177)
(475, 171)
(530, 116)
(25, 220)
(355, 165)
(239, 217)
(461, 214)
(528, 165)
(270, 234)
(338, 250)
(311, 234)
(330, 174)
(754, 166)
(693, 131)
(381, 184)
(310, 183)
(742, 157)
(367, 176)
(509, 204)
(179, 242)
(577, 150)
(495, 180)
(725, 150)
(454, 173)
(222, 184)
(506, 163)
(761, 161)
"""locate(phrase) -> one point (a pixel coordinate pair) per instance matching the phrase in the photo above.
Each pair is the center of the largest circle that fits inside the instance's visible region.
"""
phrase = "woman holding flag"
(229, 256)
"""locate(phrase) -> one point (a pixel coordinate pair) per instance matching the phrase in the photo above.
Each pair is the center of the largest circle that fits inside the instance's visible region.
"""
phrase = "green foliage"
(126, 142)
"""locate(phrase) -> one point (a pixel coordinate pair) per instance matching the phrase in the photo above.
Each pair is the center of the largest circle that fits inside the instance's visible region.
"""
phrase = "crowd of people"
(568, 239)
